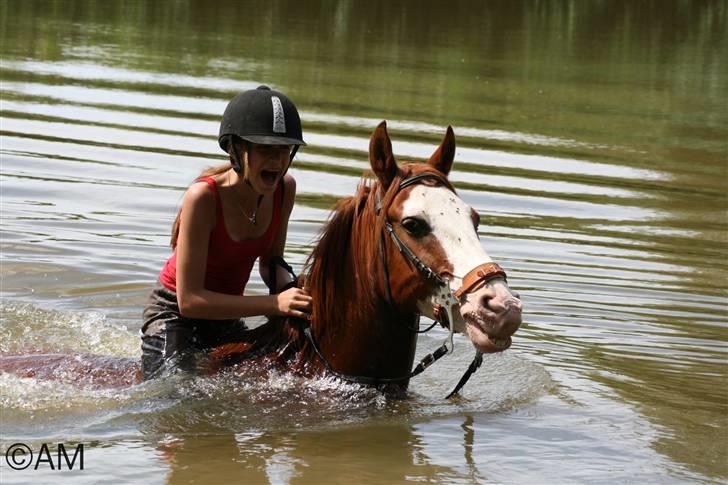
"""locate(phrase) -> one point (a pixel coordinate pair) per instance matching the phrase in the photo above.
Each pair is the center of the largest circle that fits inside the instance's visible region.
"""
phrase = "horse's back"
(86, 370)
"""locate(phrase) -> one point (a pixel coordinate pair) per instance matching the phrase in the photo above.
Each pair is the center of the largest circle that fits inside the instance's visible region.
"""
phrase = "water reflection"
(381, 454)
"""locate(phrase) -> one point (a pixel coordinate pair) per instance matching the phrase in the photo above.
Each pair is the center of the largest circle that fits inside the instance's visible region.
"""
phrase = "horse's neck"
(379, 345)
(358, 332)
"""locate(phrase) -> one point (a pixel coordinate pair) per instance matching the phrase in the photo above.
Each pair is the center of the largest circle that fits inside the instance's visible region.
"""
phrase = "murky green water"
(592, 138)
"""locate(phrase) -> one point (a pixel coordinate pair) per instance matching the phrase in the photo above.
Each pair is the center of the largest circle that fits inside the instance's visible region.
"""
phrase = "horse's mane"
(341, 268)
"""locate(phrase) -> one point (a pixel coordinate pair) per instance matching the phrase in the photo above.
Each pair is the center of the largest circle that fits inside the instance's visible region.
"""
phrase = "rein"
(426, 362)
(444, 300)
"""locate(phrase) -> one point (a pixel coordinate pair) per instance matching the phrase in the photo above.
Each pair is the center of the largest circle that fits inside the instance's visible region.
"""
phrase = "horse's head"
(425, 215)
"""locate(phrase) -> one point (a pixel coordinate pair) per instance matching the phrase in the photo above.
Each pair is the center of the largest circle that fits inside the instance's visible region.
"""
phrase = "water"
(591, 139)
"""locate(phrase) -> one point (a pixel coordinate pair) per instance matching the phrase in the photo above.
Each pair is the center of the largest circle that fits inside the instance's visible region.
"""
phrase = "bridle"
(444, 300)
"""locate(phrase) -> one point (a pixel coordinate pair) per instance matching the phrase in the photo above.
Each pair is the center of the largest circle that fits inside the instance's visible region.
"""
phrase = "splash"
(26, 328)
(247, 396)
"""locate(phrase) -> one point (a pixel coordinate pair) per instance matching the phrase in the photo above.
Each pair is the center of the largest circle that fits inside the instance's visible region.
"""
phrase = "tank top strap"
(212, 183)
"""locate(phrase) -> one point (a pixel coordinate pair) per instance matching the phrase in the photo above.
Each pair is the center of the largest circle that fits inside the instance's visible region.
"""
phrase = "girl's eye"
(416, 227)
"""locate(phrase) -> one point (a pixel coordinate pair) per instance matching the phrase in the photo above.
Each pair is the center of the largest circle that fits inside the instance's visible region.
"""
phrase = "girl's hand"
(294, 302)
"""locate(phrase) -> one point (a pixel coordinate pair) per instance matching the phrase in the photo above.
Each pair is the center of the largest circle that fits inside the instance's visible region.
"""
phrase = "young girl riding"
(231, 215)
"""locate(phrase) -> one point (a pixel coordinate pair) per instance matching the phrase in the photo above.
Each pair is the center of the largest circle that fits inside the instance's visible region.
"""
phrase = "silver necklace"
(254, 218)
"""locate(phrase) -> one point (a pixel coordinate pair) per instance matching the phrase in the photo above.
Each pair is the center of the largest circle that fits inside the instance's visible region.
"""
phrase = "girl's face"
(266, 165)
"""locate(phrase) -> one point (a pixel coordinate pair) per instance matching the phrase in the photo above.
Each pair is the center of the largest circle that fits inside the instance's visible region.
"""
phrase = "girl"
(231, 216)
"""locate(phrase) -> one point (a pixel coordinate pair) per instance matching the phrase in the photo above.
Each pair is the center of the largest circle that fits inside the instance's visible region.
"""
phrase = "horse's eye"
(476, 219)
(416, 227)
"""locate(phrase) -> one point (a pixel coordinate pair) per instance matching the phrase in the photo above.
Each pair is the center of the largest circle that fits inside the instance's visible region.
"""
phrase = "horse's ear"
(381, 157)
(445, 153)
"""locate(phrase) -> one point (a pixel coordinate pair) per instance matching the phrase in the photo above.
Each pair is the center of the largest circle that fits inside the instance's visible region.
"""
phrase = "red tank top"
(229, 262)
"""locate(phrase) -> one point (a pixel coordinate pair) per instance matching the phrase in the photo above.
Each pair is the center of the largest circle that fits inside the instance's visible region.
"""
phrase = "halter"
(444, 300)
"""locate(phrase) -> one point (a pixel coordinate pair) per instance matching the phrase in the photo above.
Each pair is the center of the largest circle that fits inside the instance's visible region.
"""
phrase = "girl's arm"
(197, 220)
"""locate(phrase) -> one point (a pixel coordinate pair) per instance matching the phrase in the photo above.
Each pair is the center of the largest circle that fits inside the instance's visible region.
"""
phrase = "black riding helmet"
(261, 116)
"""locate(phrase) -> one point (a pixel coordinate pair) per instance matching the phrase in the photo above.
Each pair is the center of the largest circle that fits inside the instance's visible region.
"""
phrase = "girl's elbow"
(188, 306)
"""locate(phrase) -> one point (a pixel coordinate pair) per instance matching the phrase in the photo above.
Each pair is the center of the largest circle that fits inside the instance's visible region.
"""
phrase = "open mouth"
(487, 343)
(497, 344)
(270, 176)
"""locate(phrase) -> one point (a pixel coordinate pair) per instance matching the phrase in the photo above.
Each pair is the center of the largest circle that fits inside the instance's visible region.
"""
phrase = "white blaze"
(452, 225)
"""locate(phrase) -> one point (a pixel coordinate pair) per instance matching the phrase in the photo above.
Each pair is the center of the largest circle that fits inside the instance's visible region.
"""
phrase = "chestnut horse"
(404, 245)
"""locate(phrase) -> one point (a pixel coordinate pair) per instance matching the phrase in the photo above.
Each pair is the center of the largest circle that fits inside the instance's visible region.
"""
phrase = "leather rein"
(444, 301)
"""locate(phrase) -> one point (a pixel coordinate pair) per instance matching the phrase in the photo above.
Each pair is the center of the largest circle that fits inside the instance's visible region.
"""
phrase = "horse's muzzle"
(492, 315)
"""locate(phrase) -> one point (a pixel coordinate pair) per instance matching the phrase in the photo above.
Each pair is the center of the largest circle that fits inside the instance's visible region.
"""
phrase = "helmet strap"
(235, 160)
(290, 160)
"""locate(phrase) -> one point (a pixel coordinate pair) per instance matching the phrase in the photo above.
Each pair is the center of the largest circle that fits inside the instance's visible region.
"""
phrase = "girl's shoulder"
(289, 191)
(202, 192)
(289, 182)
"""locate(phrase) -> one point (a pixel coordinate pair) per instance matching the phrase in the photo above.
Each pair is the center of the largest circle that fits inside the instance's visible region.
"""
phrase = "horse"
(389, 254)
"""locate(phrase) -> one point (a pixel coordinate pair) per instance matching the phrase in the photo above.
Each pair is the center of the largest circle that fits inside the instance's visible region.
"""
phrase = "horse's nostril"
(516, 295)
(490, 303)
